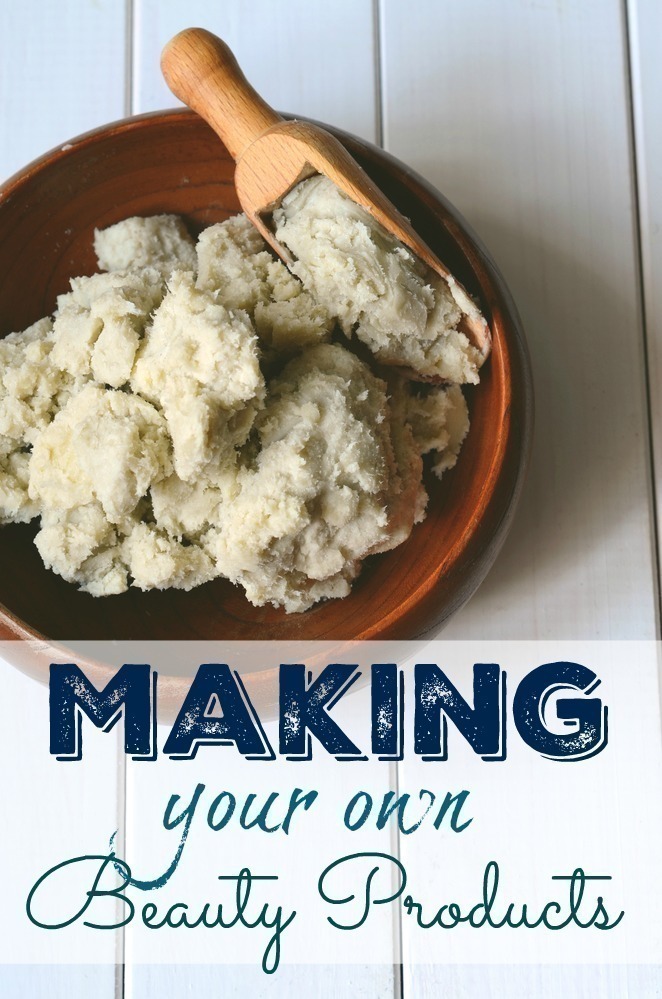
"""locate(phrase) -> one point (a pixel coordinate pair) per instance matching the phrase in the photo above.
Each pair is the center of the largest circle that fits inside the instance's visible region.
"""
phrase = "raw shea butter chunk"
(407, 315)
(83, 547)
(15, 504)
(235, 265)
(317, 499)
(439, 420)
(182, 416)
(158, 561)
(104, 445)
(32, 388)
(187, 509)
(100, 322)
(159, 241)
(199, 362)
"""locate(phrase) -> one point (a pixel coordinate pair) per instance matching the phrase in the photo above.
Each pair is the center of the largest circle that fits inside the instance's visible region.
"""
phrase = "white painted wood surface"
(48, 819)
(62, 72)
(315, 59)
(536, 149)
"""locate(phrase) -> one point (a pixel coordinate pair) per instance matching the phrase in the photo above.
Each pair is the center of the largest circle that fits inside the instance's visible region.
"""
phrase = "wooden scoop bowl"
(273, 155)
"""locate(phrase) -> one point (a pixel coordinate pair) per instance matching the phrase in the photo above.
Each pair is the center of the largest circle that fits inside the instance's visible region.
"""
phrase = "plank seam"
(120, 967)
(379, 72)
(398, 968)
(629, 20)
(121, 839)
(129, 15)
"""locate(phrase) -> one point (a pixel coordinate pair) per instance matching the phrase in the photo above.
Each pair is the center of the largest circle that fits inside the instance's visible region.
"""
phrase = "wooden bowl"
(173, 162)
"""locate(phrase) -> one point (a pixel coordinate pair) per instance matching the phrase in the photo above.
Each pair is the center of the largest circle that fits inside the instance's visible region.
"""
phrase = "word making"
(553, 709)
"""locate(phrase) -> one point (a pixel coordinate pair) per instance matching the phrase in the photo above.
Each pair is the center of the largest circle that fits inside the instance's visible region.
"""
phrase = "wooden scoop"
(273, 155)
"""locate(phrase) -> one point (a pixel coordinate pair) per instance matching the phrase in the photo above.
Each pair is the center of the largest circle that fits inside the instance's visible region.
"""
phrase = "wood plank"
(309, 981)
(302, 57)
(60, 810)
(518, 112)
(62, 72)
(55, 981)
(645, 32)
(533, 981)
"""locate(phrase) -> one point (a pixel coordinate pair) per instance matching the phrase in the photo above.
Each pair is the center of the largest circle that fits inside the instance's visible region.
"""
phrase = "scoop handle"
(202, 72)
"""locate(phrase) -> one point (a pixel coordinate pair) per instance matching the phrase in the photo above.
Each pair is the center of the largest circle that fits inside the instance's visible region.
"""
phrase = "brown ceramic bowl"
(173, 162)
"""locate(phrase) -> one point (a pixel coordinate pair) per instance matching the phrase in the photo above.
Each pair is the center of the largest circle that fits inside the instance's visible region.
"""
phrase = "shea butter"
(195, 410)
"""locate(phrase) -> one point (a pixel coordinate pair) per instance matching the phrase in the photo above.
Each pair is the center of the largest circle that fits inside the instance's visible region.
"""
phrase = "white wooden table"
(542, 121)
